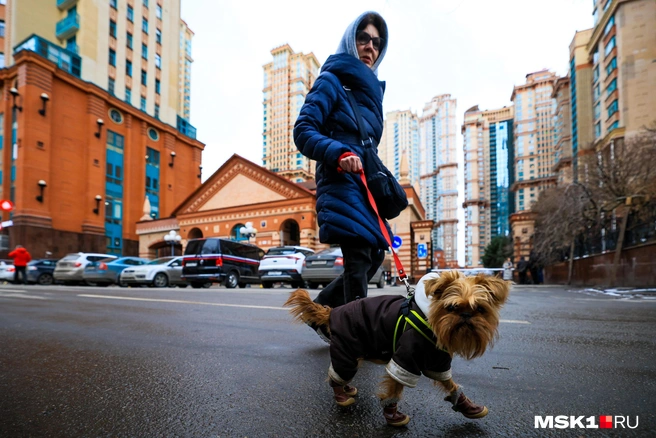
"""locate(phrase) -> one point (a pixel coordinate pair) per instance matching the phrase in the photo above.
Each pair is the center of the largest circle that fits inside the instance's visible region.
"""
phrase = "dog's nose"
(465, 315)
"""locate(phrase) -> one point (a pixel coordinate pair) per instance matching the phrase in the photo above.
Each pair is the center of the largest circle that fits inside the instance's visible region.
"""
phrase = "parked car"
(7, 270)
(283, 264)
(105, 272)
(40, 271)
(222, 261)
(70, 269)
(324, 266)
(162, 272)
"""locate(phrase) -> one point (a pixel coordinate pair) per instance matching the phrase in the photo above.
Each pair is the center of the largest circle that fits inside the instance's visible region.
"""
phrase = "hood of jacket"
(348, 44)
(356, 75)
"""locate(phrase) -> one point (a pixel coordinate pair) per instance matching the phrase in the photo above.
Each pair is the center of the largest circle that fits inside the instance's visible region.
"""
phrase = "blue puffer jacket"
(344, 213)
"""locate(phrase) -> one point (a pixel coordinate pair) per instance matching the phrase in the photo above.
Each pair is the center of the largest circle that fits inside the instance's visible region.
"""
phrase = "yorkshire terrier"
(449, 314)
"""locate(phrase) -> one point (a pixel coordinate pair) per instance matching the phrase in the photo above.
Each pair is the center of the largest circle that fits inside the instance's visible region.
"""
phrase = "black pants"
(23, 274)
(360, 265)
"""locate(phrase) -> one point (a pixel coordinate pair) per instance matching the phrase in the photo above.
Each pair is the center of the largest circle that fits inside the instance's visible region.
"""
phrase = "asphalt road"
(141, 362)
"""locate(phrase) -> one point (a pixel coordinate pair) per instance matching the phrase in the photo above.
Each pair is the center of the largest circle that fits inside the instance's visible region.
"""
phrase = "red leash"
(399, 267)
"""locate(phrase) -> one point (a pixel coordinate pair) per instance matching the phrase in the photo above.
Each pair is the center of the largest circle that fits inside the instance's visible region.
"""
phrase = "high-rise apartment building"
(401, 134)
(287, 80)
(622, 49)
(488, 150)
(184, 71)
(580, 90)
(438, 170)
(562, 132)
(130, 48)
(534, 151)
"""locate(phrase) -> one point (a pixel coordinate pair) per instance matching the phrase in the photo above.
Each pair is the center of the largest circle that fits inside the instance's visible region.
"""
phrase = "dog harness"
(415, 320)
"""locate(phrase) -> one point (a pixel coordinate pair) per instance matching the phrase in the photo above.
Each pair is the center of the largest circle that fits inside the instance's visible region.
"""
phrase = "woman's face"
(367, 52)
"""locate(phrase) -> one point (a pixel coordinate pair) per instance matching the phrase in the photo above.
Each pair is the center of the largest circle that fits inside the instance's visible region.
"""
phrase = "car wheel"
(267, 284)
(122, 284)
(232, 280)
(381, 282)
(313, 285)
(160, 280)
(45, 279)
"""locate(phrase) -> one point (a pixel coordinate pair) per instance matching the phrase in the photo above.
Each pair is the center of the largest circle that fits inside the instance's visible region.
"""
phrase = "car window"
(108, 259)
(104, 258)
(330, 251)
(176, 263)
(70, 257)
(194, 247)
(131, 262)
(306, 253)
(228, 248)
(160, 261)
(281, 251)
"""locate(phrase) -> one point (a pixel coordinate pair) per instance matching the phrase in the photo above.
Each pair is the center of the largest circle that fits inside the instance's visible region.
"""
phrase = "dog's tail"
(305, 310)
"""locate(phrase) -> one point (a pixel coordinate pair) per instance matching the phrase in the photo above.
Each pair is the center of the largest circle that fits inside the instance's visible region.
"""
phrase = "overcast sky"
(475, 50)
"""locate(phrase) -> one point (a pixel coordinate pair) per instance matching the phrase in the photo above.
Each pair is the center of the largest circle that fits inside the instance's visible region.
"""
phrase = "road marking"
(243, 306)
(19, 294)
(158, 300)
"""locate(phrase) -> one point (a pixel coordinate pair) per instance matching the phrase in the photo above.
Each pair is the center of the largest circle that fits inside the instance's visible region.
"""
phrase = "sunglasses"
(363, 39)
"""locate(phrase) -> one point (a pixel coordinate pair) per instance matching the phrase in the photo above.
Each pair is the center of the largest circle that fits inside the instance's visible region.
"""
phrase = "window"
(609, 25)
(112, 28)
(153, 134)
(144, 51)
(128, 95)
(2, 28)
(110, 86)
(145, 3)
(158, 36)
(610, 46)
(612, 108)
(158, 60)
(611, 87)
(128, 68)
(157, 111)
(157, 86)
(112, 57)
(129, 40)
(71, 44)
(144, 24)
(143, 103)
(597, 129)
(144, 77)
(158, 11)
(615, 125)
(612, 65)
(116, 116)
(112, 3)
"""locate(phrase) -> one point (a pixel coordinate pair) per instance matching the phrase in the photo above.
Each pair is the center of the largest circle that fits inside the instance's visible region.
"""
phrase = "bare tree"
(622, 180)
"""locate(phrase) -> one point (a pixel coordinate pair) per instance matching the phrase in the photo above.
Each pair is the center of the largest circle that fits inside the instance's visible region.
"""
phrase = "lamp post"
(248, 231)
(173, 238)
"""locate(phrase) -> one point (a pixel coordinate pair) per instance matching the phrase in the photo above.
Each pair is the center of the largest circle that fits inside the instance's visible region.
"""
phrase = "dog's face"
(464, 311)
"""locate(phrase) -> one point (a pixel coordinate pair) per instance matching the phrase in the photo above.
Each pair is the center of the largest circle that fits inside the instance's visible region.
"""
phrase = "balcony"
(185, 128)
(68, 26)
(64, 5)
(66, 60)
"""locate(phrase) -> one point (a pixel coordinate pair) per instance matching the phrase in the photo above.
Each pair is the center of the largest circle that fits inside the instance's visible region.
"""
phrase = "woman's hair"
(374, 19)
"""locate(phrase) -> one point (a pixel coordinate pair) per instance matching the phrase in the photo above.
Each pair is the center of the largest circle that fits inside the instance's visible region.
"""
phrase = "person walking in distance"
(21, 259)
(508, 269)
(327, 131)
(522, 268)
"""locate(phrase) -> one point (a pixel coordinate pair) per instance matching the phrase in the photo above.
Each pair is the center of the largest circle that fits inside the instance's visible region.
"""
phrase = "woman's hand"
(351, 163)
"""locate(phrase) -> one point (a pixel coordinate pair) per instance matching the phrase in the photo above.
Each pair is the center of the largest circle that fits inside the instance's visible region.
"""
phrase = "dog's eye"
(480, 309)
(450, 308)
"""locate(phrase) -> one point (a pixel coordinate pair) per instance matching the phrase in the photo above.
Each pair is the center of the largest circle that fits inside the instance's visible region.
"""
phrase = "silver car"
(323, 267)
(70, 269)
(162, 272)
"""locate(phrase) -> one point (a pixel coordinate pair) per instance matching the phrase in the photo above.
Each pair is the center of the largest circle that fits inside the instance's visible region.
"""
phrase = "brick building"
(77, 162)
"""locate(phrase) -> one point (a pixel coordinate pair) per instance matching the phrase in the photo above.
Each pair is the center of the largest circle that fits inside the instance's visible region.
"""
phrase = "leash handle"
(399, 266)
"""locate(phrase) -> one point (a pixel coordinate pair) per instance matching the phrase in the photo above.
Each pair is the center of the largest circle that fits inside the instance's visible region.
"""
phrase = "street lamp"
(173, 238)
(248, 231)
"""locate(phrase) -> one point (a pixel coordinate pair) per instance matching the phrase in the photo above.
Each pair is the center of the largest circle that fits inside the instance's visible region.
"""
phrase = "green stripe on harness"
(416, 321)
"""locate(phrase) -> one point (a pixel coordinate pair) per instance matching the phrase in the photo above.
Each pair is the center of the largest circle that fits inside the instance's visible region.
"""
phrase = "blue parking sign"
(422, 251)
(397, 242)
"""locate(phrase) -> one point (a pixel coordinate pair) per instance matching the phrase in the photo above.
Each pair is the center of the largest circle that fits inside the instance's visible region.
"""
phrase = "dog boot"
(465, 406)
(394, 417)
(342, 397)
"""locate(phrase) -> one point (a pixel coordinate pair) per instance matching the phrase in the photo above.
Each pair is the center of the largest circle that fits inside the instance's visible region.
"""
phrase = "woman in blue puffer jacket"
(327, 131)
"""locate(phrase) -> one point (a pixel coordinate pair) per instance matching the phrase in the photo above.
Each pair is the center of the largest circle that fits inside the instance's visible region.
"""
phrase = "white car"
(162, 272)
(283, 264)
(7, 270)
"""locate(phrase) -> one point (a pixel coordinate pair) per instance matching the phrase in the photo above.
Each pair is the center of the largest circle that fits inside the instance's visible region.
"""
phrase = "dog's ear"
(496, 287)
(435, 287)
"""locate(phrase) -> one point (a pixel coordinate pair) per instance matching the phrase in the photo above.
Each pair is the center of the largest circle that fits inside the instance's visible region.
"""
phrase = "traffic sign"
(422, 251)
(397, 242)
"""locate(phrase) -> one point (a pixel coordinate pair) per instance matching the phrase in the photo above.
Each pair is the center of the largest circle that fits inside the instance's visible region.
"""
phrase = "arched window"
(236, 235)
(195, 233)
(290, 233)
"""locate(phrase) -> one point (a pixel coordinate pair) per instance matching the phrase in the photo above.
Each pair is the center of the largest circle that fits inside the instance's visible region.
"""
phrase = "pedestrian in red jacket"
(21, 258)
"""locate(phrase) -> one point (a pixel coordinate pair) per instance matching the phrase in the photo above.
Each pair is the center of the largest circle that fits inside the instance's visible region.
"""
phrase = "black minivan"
(221, 261)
